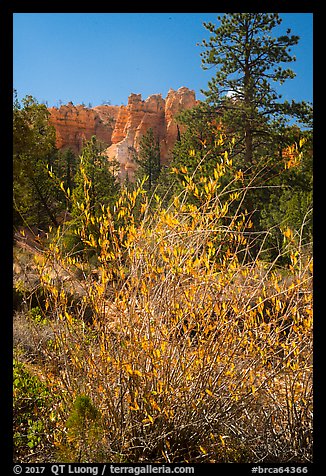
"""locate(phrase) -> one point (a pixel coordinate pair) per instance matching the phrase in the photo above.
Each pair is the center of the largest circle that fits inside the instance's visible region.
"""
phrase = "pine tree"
(248, 61)
(101, 175)
(70, 165)
(149, 159)
(96, 190)
(198, 147)
(33, 148)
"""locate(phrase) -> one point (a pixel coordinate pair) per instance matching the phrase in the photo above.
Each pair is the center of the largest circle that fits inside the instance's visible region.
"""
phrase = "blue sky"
(96, 57)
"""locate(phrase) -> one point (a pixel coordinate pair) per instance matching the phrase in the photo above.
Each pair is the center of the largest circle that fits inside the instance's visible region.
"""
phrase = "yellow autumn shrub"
(193, 352)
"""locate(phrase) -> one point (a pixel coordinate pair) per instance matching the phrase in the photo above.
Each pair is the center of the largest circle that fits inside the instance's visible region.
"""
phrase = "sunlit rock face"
(120, 128)
(76, 124)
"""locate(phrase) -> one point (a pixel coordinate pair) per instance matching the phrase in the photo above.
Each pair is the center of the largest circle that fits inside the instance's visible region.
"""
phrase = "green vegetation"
(249, 64)
(33, 145)
(148, 159)
(84, 430)
(34, 415)
(175, 323)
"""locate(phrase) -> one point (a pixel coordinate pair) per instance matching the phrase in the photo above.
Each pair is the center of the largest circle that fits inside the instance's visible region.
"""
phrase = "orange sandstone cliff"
(75, 124)
(120, 128)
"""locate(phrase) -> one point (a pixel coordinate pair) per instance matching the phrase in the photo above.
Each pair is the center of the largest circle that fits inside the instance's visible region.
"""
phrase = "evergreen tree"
(194, 152)
(202, 142)
(69, 163)
(149, 159)
(64, 166)
(96, 188)
(248, 61)
(249, 65)
(290, 200)
(101, 174)
(33, 148)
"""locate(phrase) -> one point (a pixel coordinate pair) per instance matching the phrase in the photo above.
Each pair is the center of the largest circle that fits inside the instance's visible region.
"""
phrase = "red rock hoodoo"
(120, 128)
